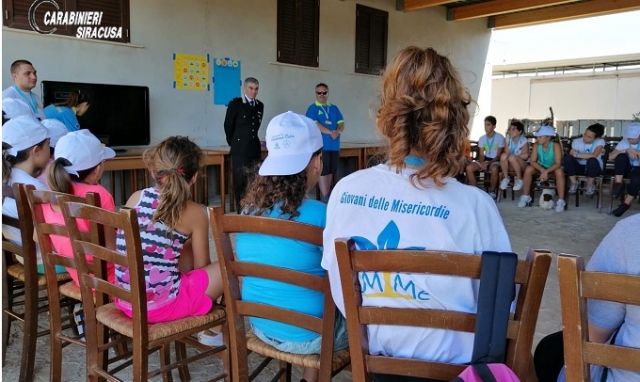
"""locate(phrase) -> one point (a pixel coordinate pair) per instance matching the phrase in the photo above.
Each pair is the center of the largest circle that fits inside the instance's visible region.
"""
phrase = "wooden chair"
(22, 284)
(146, 338)
(237, 309)
(531, 274)
(576, 286)
(582, 187)
(68, 291)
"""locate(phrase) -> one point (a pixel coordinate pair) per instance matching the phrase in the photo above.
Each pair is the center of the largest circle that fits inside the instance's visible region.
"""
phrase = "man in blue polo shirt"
(329, 119)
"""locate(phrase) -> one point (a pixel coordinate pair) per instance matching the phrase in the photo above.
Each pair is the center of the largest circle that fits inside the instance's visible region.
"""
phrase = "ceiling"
(503, 14)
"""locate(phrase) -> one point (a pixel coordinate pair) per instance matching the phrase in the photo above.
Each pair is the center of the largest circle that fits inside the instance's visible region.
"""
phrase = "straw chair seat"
(17, 271)
(71, 289)
(112, 317)
(340, 358)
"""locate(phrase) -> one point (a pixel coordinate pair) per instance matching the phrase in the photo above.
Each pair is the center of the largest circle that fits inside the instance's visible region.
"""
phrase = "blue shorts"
(340, 340)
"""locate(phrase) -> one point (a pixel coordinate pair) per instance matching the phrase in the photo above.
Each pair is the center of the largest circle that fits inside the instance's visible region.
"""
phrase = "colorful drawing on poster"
(226, 80)
(191, 72)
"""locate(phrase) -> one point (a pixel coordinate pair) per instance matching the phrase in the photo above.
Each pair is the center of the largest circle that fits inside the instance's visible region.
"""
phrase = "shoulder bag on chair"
(497, 291)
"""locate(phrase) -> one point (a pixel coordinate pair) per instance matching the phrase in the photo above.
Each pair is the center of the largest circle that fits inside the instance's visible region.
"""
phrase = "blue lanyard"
(33, 103)
(326, 111)
(415, 161)
(512, 146)
(490, 144)
(590, 149)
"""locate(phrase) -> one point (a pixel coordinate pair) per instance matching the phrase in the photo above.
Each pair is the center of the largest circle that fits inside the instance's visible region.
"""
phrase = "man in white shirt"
(25, 78)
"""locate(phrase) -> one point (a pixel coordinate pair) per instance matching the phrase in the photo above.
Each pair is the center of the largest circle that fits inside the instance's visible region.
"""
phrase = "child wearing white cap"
(77, 169)
(546, 159)
(627, 164)
(27, 151)
(12, 107)
(292, 168)
(180, 279)
(57, 130)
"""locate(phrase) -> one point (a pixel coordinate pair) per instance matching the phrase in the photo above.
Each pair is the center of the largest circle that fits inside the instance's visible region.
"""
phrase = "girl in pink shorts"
(180, 279)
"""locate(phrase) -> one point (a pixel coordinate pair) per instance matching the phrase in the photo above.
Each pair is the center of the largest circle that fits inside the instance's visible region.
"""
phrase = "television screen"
(118, 115)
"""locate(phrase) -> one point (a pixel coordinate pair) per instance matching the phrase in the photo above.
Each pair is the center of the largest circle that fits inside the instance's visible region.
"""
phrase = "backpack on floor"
(497, 291)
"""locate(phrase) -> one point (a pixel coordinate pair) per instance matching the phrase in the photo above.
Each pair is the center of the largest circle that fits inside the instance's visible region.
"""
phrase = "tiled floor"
(576, 231)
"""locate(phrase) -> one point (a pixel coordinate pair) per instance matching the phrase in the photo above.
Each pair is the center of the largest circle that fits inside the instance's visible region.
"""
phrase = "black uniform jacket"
(241, 126)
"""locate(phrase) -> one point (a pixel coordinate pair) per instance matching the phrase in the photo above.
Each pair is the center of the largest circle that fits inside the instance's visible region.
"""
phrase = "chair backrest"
(24, 223)
(127, 221)
(531, 275)
(576, 286)
(232, 270)
(39, 199)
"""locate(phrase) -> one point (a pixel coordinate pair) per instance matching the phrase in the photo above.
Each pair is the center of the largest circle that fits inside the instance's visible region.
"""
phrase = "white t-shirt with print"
(588, 148)
(491, 145)
(379, 208)
(625, 144)
(10, 208)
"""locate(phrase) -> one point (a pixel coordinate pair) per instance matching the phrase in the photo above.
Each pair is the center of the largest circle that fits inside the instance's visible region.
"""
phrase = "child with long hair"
(25, 146)
(68, 111)
(423, 116)
(180, 279)
(517, 156)
(546, 159)
(76, 170)
(279, 190)
(585, 158)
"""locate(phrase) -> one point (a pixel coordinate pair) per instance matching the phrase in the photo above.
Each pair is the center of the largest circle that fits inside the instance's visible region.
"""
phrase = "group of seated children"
(546, 157)
(422, 114)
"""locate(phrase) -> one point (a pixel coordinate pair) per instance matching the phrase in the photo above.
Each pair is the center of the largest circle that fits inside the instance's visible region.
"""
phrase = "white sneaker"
(517, 185)
(210, 338)
(560, 205)
(525, 200)
(504, 183)
(493, 195)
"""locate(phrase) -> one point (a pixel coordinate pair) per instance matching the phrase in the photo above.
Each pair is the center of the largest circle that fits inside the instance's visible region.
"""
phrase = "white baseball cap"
(23, 132)
(14, 107)
(545, 131)
(56, 129)
(83, 150)
(291, 140)
(633, 131)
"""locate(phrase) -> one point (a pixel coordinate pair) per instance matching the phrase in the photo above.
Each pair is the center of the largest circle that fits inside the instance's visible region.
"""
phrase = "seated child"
(490, 147)
(279, 191)
(76, 170)
(546, 157)
(180, 279)
(627, 164)
(517, 156)
(585, 158)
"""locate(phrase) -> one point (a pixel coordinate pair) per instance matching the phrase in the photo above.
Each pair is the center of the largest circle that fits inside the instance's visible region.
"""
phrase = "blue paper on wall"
(226, 80)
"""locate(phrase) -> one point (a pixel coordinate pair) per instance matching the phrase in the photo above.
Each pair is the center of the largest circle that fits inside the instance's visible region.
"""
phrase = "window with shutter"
(298, 32)
(371, 39)
(115, 13)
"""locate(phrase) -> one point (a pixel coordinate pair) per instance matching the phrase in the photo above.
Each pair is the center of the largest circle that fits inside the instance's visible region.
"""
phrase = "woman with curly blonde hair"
(413, 201)
(279, 190)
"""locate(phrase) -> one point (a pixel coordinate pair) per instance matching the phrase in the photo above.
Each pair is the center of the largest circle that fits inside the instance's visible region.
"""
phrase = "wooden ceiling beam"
(412, 5)
(498, 7)
(563, 12)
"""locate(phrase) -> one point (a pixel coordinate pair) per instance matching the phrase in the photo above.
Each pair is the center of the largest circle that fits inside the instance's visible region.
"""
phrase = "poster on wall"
(191, 72)
(226, 80)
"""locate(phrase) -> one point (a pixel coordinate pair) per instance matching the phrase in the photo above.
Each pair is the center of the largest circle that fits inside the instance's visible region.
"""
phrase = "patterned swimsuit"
(161, 250)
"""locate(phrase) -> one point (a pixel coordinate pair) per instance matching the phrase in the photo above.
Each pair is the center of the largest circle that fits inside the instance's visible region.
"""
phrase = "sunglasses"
(322, 93)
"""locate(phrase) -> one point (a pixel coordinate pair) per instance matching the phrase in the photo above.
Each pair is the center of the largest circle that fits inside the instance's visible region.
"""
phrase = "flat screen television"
(118, 114)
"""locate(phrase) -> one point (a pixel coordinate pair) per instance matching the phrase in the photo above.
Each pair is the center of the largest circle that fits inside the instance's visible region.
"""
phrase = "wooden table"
(131, 160)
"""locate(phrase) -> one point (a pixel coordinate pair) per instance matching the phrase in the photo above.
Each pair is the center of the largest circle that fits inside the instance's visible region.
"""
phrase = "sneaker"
(573, 188)
(560, 205)
(620, 210)
(525, 201)
(591, 190)
(517, 186)
(493, 195)
(210, 338)
(504, 184)
(618, 190)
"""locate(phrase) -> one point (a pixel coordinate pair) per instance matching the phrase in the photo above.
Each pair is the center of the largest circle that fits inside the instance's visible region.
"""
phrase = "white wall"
(244, 30)
(601, 97)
